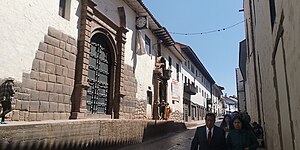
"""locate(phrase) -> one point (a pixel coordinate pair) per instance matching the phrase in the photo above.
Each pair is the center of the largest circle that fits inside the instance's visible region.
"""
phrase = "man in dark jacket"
(6, 95)
(209, 137)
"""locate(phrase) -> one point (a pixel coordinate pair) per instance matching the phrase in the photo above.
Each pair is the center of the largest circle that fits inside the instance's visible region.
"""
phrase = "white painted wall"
(23, 26)
(110, 9)
(178, 106)
(198, 98)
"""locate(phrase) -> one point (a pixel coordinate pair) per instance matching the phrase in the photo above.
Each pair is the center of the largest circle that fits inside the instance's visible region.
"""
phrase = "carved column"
(121, 40)
(156, 95)
(82, 62)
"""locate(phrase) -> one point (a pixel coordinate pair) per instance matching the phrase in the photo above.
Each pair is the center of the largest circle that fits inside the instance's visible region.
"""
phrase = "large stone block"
(74, 50)
(40, 55)
(43, 76)
(43, 46)
(58, 88)
(25, 105)
(32, 116)
(66, 55)
(67, 99)
(72, 41)
(56, 116)
(43, 96)
(34, 95)
(49, 58)
(44, 106)
(58, 52)
(41, 85)
(23, 115)
(72, 57)
(60, 79)
(57, 60)
(64, 116)
(71, 73)
(35, 65)
(53, 97)
(48, 116)
(65, 71)
(61, 107)
(65, 37)
(53, 107)
(39, 116)
(66, 89)
(62, 45)
(34, 106)
(15, 115)
(64, 62)
(50, 87)
(50, 67)
(60, 98)
(55, 33)
(42, 67)
(68, 47)
(58, 70)
(29, 83)
(52, 78)
(18, 104)
(50, 49)
(52, 41)
(68, 81)
(72, 64)
(67, 107)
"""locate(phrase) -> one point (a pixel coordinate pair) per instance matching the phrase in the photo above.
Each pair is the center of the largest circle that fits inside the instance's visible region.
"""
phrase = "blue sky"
(217, 51)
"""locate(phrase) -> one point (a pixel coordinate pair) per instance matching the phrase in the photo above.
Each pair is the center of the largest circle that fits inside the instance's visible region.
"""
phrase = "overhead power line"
(207, 32)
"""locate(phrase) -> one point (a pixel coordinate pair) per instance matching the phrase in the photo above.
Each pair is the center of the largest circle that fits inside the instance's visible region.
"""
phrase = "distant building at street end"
(231, 104)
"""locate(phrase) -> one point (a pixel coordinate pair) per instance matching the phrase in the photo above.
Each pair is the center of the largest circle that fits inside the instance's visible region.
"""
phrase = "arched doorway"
(99, 75)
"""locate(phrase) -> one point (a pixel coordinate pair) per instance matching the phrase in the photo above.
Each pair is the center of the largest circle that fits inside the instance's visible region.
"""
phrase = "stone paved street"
(171, 141)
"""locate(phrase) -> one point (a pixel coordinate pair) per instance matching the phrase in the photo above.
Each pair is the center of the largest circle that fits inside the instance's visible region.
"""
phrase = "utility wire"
(207, 32)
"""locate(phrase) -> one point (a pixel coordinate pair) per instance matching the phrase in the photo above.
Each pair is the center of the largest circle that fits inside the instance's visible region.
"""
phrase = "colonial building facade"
(272, 72)
(98, 59)
(198, 91)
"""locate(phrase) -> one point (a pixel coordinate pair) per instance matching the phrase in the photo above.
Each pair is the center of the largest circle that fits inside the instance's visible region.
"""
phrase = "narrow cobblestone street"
(172, 141)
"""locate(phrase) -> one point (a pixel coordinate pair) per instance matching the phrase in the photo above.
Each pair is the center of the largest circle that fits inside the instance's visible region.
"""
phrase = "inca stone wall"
(45, 93)
(130, 106)
(82, 134)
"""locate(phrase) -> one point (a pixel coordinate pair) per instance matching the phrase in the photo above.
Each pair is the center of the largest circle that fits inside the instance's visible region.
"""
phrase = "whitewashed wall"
(178, 105)
(198, 98)
(23, 26)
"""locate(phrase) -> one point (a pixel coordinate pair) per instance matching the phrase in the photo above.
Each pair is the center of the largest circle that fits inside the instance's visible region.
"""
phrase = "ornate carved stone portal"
(161, 75)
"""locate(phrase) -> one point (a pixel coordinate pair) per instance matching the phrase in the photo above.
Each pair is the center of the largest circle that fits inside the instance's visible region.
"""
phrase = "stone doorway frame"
(91, 22)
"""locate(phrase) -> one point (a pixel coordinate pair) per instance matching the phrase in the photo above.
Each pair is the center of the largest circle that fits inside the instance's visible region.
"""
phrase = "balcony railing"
(190, 88)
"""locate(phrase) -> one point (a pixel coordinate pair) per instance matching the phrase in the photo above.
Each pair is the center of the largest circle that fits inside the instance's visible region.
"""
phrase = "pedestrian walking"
(209, 137)
(259, 133)
(240, 138)
(6, 95)
(167, 111)
(226, 124)
(162, 107)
